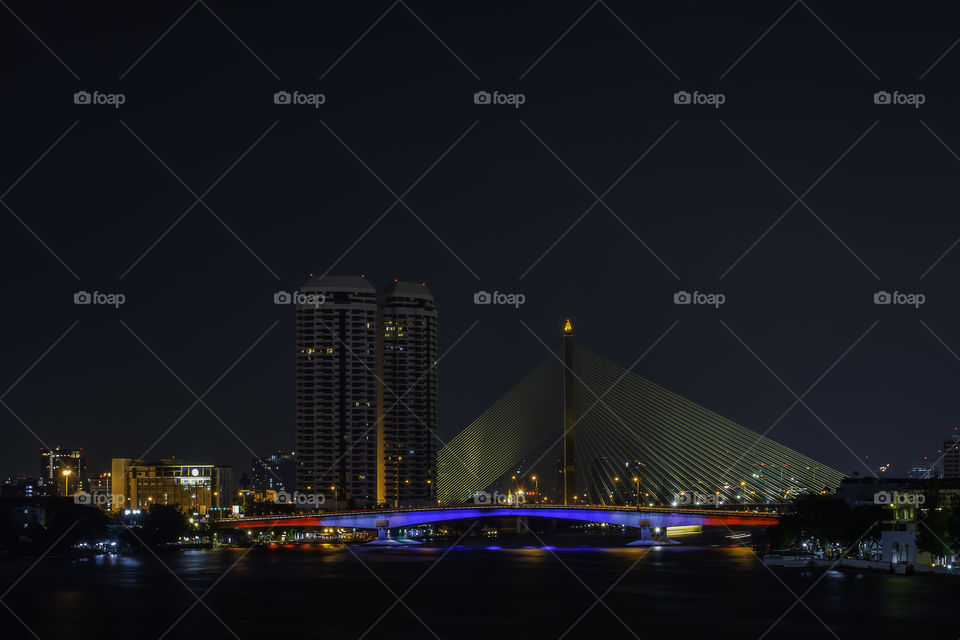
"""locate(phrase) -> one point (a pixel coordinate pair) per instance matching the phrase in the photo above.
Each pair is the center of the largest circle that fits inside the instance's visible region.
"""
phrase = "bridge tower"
(569, 418)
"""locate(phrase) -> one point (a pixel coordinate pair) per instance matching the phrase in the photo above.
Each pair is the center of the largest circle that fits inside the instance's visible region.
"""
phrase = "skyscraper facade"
(336, 410)
(407, 395)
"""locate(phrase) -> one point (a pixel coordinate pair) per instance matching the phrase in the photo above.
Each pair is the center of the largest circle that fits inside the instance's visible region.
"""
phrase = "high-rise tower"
(64, 471)
(569, 419)
(407, 396)
(337, 388)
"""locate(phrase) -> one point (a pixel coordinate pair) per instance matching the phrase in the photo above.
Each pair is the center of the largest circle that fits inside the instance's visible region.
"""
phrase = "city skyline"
(313, 309)
(875, 464)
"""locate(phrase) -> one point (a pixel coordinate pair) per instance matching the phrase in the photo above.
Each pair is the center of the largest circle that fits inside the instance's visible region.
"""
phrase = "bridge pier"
(383, 529)
(646, 538)
(522, 524)
(645, 534)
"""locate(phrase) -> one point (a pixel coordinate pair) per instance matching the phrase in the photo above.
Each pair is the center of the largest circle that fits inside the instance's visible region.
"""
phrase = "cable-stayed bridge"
(621, 440)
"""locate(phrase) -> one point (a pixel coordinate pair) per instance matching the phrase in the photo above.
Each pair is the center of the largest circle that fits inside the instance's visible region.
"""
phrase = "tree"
(937, 531)
(821, 520)
(76, 523)
(163, 524)
(65, 524)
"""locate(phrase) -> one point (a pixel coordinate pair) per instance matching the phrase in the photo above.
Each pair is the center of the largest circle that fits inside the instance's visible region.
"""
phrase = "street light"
(637, 480)
(66, 482)
(334, 489)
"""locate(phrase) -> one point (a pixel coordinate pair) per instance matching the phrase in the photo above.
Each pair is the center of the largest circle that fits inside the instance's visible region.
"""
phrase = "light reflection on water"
(669, 590)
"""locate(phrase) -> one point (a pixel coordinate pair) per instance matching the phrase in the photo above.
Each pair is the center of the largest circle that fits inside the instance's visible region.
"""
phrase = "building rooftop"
(338, 283)
(411, 289)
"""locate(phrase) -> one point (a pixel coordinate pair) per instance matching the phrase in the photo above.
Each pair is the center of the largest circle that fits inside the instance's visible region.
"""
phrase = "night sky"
(289, 190)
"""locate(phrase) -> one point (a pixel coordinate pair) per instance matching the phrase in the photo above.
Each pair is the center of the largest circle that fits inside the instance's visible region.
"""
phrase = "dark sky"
(489, 209)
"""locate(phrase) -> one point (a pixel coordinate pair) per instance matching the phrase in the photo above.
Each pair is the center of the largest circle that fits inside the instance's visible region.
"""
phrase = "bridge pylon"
(569, 418)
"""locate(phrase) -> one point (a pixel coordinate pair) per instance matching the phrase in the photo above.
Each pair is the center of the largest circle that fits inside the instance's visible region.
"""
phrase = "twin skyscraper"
(367, 392)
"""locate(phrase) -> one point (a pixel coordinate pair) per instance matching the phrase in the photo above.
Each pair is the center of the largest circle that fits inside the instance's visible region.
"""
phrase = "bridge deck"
(624, 516)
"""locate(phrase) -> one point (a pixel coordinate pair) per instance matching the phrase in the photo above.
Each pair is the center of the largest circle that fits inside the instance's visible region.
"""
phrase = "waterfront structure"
(64, 471)
(406, 395)
(205, 489)
(902, 500)
(336, 395)
(390, 518)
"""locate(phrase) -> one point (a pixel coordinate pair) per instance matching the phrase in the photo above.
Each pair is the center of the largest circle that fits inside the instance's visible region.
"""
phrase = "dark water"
(468, 592)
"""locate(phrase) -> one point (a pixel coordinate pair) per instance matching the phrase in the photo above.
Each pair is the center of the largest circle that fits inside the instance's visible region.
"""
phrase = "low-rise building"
(21, 487)
(904, 497)
(202, 488)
